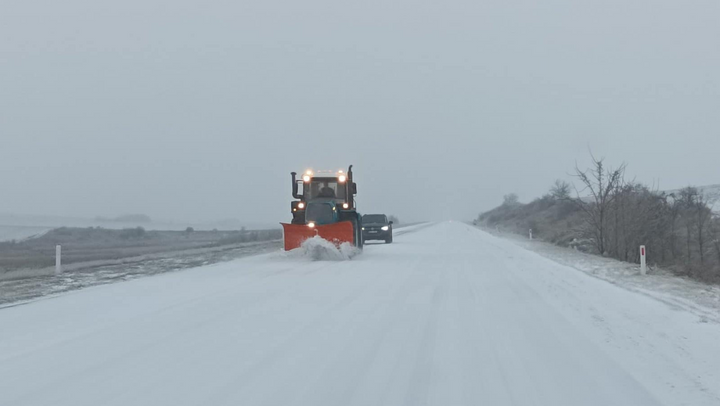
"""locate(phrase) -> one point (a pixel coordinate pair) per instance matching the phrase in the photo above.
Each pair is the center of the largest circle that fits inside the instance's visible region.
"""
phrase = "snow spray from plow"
(320, 249)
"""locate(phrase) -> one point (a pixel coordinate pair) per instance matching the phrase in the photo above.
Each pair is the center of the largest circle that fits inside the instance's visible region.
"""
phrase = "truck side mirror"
(354, 188)
(390, 222)
(294, 185)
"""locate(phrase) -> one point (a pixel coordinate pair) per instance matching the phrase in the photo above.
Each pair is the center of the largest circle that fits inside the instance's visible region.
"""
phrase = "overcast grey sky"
(197, 111)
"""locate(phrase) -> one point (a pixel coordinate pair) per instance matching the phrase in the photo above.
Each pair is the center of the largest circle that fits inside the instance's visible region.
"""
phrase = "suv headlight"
(385, 228)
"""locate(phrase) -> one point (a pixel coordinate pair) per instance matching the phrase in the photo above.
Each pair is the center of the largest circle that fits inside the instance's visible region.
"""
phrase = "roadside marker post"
(643, 263)
(531, 233)
(58, 260)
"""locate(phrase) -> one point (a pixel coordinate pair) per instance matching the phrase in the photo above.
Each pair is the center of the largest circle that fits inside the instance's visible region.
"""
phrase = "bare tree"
(510, 199)
(560, 190)
(703, 217)
(698, 220)
(686, 202)
(636, 216)
(715, 234)
(674, 207)
(601, 184)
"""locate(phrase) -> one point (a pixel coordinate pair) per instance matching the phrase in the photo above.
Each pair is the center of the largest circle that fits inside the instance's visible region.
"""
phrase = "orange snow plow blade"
(336, 233)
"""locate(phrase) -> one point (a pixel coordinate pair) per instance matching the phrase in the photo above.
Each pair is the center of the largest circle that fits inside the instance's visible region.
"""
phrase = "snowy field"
(18, 233)
(447, 315)
(83, 275)
(20, 227)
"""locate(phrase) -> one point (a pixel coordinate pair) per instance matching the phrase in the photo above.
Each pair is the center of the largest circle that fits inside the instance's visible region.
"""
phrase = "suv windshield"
(374, 218)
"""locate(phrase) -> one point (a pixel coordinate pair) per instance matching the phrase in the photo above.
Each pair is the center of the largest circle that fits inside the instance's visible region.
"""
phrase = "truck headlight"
(311, 225)
(385, 228)
(306, 178)
(345, 205)
(301, 205)
(342, 178)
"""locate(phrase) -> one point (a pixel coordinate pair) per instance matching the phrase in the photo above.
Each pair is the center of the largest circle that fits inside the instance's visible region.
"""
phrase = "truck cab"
(325, 197)
(325, 207)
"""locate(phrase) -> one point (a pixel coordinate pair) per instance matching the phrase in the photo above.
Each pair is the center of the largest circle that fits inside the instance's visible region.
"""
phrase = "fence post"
(58, 260)
(643, 263)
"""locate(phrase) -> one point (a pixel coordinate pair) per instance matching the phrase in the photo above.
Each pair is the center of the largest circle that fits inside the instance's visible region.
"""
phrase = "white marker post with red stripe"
(643, 266)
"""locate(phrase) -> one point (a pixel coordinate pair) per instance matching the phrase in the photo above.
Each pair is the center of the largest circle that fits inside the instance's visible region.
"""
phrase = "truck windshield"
(319, 189)
(374, 218)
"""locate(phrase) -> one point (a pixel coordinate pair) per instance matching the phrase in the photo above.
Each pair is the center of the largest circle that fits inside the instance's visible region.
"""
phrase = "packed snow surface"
(683, 293)
(447, 315)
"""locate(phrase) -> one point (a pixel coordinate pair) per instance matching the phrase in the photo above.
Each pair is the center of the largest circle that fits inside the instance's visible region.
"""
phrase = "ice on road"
(447, 315)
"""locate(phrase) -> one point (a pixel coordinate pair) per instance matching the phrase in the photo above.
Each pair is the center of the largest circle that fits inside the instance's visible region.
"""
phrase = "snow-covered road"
(447, 315)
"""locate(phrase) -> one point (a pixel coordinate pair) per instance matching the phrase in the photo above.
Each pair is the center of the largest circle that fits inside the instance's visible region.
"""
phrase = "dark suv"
(376, 227)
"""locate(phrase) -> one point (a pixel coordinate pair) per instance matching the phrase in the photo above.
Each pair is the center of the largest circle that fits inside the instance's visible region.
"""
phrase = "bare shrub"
(600, 182)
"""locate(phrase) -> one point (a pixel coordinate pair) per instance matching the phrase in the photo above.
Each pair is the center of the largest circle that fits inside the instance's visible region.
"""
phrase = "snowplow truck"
(325, 207)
